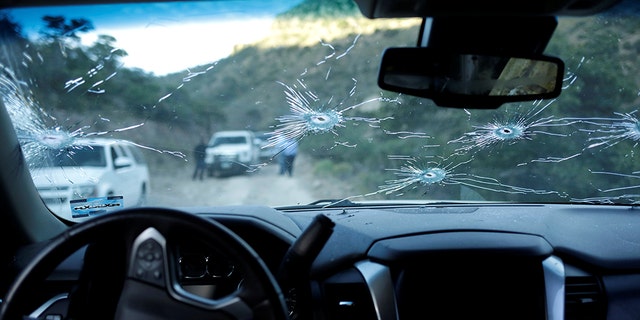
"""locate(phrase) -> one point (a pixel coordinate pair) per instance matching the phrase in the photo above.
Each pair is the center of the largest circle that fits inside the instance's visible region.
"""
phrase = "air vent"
(584, 299)
(347, 297)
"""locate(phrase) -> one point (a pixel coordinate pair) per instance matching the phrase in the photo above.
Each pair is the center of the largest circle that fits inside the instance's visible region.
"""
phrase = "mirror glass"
(469, 79)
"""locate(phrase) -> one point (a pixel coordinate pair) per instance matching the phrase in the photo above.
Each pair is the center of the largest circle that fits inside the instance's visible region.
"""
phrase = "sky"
(175, 47)
(174, 43)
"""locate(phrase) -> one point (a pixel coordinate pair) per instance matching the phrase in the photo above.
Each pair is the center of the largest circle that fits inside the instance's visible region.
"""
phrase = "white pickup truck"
(231, 152)
(92, 168)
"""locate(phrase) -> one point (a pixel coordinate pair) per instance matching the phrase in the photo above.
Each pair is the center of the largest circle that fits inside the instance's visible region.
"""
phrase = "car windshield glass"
(168, 76)
(79, 156)
(228, 140)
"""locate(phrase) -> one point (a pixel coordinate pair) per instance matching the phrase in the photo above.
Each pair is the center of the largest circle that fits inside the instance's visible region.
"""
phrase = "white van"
(92, 168)
(231, 152)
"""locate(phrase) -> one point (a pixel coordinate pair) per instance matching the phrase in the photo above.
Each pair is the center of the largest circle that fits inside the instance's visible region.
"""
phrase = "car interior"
(338, 258)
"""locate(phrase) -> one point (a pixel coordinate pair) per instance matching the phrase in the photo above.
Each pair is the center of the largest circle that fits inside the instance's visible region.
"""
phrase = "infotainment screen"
(478, 288)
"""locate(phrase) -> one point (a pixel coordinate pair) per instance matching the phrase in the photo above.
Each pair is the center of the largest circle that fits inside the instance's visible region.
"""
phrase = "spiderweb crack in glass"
(41, 137)
(633, 198)
(415, 172)
(609, 133)
(571, 75)
(409, 134)
(612, 130)
(516, 127)
(309, 115)
(188, 78)
(523, 123)
(39, 132)
(73, 84)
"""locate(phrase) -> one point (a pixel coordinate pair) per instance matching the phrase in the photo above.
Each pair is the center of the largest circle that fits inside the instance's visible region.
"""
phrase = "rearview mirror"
(470, 80)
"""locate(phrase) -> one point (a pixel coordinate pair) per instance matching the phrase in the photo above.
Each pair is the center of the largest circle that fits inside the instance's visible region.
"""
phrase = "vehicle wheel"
(145, 241)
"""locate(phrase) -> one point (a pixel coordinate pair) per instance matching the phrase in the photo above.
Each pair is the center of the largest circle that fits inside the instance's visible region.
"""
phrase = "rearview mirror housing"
(469, 79)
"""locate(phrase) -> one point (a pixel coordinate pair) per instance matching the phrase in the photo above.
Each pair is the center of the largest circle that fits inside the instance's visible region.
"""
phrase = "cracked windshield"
(206, 103)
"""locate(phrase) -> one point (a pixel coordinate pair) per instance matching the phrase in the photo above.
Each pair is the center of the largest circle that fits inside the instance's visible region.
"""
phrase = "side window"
(121, 151)
(125, 151)
(114, 155)
(136, 154)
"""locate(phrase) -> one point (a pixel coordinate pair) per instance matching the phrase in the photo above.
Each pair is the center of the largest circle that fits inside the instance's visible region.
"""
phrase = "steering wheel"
(135, 253)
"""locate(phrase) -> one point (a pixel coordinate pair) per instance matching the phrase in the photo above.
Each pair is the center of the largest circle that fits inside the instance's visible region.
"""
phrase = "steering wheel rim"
(150, 289)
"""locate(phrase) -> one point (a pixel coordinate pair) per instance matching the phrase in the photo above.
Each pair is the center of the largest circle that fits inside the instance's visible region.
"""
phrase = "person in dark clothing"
(288, 155)
(199, 153)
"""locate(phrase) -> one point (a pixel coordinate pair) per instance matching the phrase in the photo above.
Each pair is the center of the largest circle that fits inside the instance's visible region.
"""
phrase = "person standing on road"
(288, 155)
(199, 153)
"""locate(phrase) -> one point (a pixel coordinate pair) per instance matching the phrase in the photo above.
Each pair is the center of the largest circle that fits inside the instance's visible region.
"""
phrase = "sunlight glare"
(174, 48)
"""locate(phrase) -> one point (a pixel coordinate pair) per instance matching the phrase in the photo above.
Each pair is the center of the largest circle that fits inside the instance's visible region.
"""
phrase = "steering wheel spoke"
(148, 262)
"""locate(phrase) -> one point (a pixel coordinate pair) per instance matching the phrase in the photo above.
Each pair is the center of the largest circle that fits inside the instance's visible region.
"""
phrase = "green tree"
(57, 27)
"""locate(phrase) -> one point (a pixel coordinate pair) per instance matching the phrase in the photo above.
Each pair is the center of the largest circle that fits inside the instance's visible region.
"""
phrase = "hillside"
(237, 82)
(336, 55)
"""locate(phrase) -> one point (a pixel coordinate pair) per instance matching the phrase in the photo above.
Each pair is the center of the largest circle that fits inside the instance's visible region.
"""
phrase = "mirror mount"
(519, 35)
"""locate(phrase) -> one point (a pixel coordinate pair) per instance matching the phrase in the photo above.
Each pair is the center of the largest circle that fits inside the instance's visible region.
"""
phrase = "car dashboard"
(500, 261)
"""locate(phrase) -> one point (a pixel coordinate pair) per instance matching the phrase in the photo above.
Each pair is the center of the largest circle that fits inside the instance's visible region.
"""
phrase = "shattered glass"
(319, 89)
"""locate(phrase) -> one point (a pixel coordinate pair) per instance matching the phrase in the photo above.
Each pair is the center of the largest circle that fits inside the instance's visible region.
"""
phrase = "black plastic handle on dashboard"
(298, 259)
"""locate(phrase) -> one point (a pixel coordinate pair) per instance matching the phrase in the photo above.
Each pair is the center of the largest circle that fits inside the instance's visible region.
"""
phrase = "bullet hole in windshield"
(441, 161)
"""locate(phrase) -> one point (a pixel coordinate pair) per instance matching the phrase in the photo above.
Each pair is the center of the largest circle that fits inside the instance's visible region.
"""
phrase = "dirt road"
(263, 187)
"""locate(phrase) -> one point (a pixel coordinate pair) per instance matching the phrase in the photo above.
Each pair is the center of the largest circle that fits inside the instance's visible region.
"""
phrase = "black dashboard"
(496, 261)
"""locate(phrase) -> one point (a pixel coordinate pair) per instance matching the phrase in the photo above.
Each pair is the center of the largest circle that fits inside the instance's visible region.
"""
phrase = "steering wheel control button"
(148, 259)
(148, 263)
